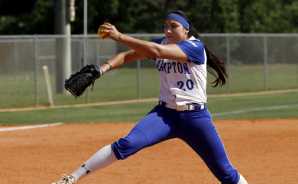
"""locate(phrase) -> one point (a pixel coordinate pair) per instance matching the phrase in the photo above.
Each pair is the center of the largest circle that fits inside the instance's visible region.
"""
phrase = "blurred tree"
(289, 17)
(268, 16)
(35, 19)
(147, 16)
(258, 16)
(15, 7)
(213, 16)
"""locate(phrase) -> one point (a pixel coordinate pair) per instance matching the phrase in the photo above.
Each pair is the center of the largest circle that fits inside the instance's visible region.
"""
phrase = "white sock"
(242, 180)
(103, 158)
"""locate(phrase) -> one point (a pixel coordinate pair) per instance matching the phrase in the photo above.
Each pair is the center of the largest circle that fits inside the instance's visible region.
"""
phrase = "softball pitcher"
(182, 62)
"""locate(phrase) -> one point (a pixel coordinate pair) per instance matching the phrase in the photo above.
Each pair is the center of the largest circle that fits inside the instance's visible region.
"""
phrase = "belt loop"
(197, 106)
(162, 103)
(188, 106)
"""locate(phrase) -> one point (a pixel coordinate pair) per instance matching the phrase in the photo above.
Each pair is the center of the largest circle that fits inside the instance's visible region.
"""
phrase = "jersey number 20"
(189, 84)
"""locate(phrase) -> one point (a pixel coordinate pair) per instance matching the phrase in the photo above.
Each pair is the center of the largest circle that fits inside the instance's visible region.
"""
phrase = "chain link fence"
(255, 62)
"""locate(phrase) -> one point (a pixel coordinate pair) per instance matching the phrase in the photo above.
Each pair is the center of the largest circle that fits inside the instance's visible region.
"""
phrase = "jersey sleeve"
(194, 50)
(158, 40)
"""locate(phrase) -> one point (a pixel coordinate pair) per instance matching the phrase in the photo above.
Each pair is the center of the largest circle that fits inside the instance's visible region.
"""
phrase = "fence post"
(36, 69)
(97, 53)
(85, 63)
(228, 63)
(81, 55)
(139, 77)
(265, 64)
(15, 59)
(48, 85)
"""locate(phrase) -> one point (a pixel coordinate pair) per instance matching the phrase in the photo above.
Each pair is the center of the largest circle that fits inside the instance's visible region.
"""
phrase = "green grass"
(136, 111)
(123, 85)
(228, 104)
(250, 78)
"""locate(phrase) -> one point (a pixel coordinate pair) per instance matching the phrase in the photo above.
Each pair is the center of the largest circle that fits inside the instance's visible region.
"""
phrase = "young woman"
(182, 62)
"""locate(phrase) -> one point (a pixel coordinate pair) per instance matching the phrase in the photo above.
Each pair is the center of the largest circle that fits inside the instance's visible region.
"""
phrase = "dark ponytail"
(213, 62)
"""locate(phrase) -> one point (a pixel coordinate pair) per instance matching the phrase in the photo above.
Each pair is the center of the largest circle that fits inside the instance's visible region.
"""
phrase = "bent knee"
(224, 171)
(129, 145)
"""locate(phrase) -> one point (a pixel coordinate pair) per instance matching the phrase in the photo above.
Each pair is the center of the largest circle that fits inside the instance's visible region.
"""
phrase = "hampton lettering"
(172, 67)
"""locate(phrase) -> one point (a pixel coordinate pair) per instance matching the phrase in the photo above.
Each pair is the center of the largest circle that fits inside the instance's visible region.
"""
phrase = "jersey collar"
(165, 40)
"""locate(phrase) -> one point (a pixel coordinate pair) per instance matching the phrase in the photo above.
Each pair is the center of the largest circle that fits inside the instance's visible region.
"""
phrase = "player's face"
(175, 32)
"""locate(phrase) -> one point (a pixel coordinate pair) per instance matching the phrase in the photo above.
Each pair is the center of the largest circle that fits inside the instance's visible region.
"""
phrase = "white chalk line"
(213, 114)
(29, 127)
(254, 109)
(141, 100)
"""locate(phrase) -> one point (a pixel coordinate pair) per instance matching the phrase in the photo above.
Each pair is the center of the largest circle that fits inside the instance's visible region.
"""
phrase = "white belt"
(187, 107)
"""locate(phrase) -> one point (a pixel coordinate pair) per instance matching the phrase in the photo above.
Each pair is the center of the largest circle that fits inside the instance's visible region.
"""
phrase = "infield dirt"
(263, 151)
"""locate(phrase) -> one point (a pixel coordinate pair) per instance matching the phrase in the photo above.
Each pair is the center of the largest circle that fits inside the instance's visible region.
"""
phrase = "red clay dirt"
(264, 151)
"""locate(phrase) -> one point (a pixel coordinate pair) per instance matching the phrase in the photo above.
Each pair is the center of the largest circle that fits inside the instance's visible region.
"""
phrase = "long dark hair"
(213, 62)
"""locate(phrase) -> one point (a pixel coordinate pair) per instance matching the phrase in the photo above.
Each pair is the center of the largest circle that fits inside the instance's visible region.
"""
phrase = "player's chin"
(171, 39)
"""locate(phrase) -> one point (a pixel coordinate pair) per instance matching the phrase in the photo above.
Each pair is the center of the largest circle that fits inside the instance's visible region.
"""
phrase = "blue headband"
(178, 18)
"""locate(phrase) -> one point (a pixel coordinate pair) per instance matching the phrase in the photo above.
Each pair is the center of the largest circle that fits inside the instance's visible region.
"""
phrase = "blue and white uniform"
(181, 113)
(183, 82)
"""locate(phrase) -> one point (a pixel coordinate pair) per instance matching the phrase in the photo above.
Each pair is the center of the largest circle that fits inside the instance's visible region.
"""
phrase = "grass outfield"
(123, 85)
(286, 107)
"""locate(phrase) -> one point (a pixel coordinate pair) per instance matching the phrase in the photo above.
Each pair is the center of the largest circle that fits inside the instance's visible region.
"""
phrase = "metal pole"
(36, 70)
(63, 45)
(265, 64)
(139, 77)
(97, 52)
(85, 44)
(228, 63)
(81, 53)
(15, 59)
(85, 17)
(86, 50)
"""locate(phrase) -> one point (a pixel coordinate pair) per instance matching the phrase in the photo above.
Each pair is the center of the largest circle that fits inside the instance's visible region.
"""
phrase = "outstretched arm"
(121, 59)
(146, 48)
(78, 82)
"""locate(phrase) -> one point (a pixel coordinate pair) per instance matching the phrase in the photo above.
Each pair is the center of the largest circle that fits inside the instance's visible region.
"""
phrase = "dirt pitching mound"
(263, 151)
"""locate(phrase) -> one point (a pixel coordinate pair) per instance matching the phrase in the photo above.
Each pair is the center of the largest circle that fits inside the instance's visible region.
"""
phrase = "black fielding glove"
(77, 83)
